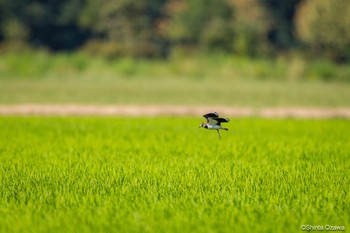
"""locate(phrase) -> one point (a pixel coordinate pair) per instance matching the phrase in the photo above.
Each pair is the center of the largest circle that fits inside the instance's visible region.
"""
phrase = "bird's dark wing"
(219, 120)
(222, 119)
(211, 115)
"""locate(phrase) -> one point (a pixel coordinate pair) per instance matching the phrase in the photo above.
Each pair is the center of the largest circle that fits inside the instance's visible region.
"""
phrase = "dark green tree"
(252, 24)
(127, 27)
(53, 24)
(281, 33)
(324, 26)
(200, 24)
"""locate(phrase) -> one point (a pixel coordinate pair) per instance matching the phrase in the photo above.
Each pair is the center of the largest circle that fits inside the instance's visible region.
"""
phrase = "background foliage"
(158, 28)
(324, 26)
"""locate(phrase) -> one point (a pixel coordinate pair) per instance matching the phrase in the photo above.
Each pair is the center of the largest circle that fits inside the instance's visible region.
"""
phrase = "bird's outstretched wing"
(219, 120)
(211, 115)
(214, 119)
(222, 119)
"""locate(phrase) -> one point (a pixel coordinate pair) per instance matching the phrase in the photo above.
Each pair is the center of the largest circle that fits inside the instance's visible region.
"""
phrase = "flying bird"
(214, 122)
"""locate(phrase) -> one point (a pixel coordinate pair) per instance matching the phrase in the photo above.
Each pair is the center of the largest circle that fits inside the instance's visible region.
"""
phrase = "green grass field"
(175, 91)
(205, 80)
(164, 174)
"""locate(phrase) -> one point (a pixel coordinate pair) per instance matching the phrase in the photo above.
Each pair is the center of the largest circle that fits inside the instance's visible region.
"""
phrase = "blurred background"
(227, 52)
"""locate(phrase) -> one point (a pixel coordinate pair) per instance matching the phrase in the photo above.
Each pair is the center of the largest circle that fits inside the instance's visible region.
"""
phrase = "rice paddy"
(164, 174)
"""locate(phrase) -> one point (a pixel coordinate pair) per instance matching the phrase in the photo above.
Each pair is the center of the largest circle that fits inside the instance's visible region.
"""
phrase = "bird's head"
(202, 125)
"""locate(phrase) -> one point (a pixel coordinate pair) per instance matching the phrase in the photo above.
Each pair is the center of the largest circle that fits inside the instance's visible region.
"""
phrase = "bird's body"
(212, 127)
(214, 122)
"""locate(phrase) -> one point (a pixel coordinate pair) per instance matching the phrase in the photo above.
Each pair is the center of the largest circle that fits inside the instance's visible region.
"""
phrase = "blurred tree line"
(157, 28)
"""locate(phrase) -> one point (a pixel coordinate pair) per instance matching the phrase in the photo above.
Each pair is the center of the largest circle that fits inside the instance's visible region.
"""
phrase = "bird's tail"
(225, 129)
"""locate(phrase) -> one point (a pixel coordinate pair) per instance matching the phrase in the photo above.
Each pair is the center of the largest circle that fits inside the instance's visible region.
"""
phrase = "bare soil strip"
(168, 110)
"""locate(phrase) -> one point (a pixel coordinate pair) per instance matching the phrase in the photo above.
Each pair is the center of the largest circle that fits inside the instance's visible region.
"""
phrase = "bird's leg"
(218, 134)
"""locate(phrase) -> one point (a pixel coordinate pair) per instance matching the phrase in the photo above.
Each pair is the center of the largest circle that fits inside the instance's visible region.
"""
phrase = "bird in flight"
(214, 122)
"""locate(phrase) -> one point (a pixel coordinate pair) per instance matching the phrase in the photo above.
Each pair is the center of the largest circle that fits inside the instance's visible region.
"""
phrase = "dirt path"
(156, 110)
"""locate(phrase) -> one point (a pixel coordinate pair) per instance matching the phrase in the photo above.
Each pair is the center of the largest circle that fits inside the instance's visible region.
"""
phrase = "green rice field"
(164, 174)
